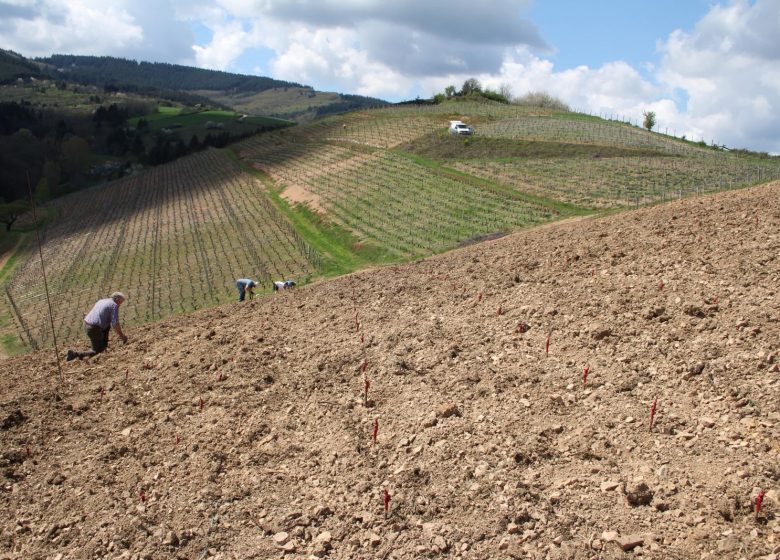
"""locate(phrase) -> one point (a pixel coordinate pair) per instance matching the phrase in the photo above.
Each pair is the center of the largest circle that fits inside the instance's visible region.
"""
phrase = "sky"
(709, 69)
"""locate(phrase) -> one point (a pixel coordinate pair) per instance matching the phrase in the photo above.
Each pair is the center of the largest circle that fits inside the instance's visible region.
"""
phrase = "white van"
(459, 127)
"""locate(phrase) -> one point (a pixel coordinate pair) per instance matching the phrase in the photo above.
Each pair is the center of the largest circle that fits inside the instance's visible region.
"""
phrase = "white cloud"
(330, 57)
(44, 28)
(728, 67)
(142, 29)
(719, 80)
(228, 42)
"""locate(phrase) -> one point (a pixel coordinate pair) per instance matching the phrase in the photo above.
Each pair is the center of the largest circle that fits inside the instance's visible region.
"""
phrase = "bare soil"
(241, 431)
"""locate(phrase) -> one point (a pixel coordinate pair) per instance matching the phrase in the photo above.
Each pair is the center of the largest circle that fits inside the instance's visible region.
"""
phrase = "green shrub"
(543, 100)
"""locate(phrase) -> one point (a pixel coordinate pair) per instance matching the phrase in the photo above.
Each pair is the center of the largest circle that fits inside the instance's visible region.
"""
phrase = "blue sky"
(709, 69)
(594, 33)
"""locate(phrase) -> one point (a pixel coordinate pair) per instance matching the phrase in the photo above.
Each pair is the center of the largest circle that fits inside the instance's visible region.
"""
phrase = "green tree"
(137, 147)
(649, 121)
(42, 191)
(10, 211)
(449, 91)
(471, 85)
(75, 155)
(51, 172)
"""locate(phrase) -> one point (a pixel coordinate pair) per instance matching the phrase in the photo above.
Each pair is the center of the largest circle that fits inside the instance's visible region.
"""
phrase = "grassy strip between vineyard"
(341, 252)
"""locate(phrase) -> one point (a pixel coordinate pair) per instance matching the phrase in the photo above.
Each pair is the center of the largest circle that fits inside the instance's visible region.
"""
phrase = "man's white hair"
(118, 295)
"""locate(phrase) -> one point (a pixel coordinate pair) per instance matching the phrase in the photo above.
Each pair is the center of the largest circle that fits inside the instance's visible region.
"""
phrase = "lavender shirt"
(104, 314)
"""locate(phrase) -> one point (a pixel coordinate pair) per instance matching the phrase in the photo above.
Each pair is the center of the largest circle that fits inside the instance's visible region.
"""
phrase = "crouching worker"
(245, 285)
(283, 284)
(97, 324)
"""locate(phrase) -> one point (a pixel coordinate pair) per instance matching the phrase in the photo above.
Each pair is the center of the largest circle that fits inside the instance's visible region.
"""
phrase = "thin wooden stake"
(45, 283)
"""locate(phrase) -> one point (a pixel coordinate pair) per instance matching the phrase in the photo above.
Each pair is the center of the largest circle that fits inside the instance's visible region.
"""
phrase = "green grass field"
(187, 124)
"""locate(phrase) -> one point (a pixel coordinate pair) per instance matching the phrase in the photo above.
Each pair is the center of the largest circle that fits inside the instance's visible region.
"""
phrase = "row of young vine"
(174, 238)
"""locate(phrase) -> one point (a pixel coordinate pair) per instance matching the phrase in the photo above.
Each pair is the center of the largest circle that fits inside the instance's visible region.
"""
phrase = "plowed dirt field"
(242, 431)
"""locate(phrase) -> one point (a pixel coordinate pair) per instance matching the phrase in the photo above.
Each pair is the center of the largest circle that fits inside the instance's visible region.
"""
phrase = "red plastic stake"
(652, 412)
(201, 403)
(479, 297)
(127, 374)
(376, 430)
(386, 500)
(547, 346)
(362, 339)
(28, 452)
(585, 374)
(367, 384)
(141, 495)
(759, 501)
(661, 285)
(500, 311)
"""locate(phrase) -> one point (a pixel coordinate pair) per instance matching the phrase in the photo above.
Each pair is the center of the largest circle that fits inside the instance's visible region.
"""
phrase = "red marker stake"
(201, 403)
(547, 346)
(376, 430)
(127, 374)
(661, 285)
(386, 500)
(652, 412)
(585, 374)
(141, 495)
(500, 311)
(479, 297)
(759, 501)
(365, 393)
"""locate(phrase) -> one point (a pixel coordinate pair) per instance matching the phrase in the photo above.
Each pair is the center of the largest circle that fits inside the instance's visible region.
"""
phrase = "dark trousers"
(98, 337)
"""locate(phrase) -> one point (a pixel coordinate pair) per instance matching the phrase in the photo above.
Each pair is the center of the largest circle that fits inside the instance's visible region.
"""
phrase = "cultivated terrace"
(596, 388)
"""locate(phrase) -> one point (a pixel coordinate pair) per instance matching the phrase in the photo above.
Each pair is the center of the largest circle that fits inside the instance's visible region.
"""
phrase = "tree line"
(56, 151)
(121, 72)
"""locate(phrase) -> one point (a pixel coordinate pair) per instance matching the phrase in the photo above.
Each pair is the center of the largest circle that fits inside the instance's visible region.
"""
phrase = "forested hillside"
(14, 65)
(237, 91)
(103, 70)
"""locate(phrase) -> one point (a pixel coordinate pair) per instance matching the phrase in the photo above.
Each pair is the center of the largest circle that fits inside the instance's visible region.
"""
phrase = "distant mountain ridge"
(237, 91)
(108, 70)
(13, 65)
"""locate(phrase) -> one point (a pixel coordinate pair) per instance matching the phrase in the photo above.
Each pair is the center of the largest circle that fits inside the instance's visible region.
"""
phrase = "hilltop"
(255, 95)
(240, 431)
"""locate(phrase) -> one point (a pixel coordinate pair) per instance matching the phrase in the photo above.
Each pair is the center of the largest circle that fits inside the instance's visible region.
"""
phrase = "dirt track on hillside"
(240, 432)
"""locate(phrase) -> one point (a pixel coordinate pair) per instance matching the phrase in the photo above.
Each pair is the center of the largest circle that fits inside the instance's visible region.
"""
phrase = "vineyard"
(626, 181)
(387, 199)
(174, 239)
(177, 236)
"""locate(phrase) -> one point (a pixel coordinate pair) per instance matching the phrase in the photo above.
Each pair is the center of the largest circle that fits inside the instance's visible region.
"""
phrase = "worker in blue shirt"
(245, 285)
(98, 322)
